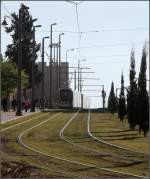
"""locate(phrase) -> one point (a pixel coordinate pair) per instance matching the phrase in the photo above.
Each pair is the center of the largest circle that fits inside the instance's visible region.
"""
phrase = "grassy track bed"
(108, 156)
(48, 142)
(104, 127)
(19, 120)
(111, 129)
(12, 151)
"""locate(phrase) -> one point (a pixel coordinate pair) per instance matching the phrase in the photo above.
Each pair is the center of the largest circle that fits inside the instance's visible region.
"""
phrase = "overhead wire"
(98, 31)
(110, 45)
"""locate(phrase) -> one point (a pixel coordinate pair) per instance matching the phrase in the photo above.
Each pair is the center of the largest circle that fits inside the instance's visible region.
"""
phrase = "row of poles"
(58, 45)
(55, 45)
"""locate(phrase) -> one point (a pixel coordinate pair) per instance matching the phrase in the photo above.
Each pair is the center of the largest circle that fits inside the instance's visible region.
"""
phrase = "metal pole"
(42, 88)
(57, 72)
(78, 74)
(57, 65)
(50, 91)
(59, 62)
(60, 59)
(75, 80)
(33, 73)
(66, 70)
(43, 75)
(19, 105)
(80, 80)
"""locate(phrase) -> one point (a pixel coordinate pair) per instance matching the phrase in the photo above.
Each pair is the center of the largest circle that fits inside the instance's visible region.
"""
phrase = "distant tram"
(72, 99)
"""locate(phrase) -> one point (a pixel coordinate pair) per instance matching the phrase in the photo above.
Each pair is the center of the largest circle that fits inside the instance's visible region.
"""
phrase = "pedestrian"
(14, 104)
(37, 103)
(26, 104)
(4, 104)
(46, 103)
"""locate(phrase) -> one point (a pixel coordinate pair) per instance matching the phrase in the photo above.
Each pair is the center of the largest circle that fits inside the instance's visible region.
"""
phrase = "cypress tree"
(112, 102)
(27, 41)
(143, 104)
(132, 95)
(122, 106)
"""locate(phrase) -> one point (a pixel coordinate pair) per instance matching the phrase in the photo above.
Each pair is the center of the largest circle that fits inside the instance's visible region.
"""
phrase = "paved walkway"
(7, 116)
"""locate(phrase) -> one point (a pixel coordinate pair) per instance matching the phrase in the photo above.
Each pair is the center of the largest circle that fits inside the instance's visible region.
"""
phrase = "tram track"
(35, 165)
(108, 143)
(62, 136)
(20, 123)
(67, 160)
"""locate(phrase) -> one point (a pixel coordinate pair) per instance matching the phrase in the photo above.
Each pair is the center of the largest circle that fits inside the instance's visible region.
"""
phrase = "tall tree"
(9, 77)
(132, 95)
(27, 41)
(122, 105)
(112, 102)
(143, 95)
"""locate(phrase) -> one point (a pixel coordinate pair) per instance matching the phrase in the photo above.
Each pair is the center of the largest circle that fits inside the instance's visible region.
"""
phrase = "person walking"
(26, 104)
(14, 104)
(4, 104)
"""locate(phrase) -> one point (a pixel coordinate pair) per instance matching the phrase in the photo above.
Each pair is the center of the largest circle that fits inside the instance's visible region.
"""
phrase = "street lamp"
(42, 87)
(50, 88)
(59, 59)
(33, 71)
(79, 74)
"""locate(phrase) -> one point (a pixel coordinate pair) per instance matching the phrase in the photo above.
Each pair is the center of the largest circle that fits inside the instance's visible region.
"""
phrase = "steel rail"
(28, 120)
(61, 134)
(18, 117)
(63, 159)
(45, 168)
(107, 143)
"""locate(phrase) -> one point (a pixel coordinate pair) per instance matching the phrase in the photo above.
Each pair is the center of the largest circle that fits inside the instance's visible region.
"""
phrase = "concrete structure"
(64, 66)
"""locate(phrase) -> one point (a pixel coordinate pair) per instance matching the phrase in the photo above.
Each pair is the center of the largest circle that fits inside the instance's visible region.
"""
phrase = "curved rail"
(28, 120)
(63, 159)
(104, 142)
(61, 134)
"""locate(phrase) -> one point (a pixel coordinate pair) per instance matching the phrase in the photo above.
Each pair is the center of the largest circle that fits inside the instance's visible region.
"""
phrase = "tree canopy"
(27, 41)
(112, 102)
(132, 94)
(9, 77)
(143, 105)
(122, 105)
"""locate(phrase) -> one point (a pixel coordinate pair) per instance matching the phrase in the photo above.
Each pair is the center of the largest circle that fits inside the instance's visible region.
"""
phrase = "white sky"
(120, 24)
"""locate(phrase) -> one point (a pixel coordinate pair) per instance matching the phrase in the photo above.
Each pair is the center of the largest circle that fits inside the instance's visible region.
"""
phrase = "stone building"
(64, 74)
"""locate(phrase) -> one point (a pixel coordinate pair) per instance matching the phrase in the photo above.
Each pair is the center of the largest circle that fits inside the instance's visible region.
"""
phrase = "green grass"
(46, 139)
(18, 120)
(77, 132)
(12, 151)
(114, 131)
(51, 144)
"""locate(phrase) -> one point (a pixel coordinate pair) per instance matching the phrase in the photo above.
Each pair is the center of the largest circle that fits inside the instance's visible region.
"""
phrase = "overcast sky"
(112, 29)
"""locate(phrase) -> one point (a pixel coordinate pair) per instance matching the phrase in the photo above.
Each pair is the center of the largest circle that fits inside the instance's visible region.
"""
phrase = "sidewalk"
(7, 116)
